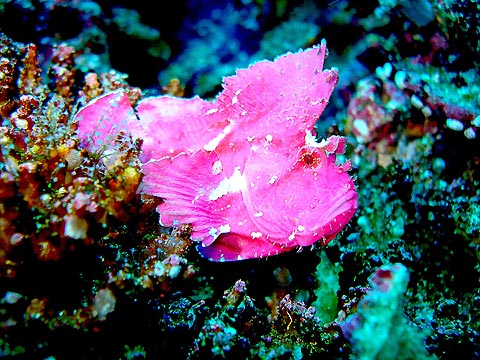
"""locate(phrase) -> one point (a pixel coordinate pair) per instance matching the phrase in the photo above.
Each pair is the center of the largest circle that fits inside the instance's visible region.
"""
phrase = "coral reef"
(380, 317)
(88, 272)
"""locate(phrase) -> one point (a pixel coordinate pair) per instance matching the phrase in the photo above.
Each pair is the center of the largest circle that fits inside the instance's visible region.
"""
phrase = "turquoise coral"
(379, 330)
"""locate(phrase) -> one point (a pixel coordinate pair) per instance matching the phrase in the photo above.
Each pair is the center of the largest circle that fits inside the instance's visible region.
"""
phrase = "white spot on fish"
(310, 139)
(237, 180)
(215, 233)
(272, 179)
(256, 234)
(225, 228)
(235, 183)
(269, 138)
(217, 167)
(212, 232)
(211, 111)
(212, 144)
(235, 97)
(258, 214)
(222, 189)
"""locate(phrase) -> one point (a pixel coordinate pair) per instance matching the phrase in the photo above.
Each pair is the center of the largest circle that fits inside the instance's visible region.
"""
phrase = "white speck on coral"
(159, 269)
(400, 79)
(454, 124)
(174, 271)
(103, 304)
(361, 126)
(11, 297)
(75, 227)
(415, 100)
(427, 112)
(21, 124)
(476, 121)
(470, 133)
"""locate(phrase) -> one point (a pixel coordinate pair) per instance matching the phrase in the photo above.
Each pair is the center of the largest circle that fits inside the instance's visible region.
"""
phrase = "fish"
(246, 170)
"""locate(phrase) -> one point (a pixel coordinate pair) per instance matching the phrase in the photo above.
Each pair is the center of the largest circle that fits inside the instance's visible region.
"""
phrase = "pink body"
(244, 170)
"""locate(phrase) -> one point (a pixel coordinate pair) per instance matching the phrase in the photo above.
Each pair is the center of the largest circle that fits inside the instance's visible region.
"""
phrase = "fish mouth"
(346, 203)
(322, 222)
(327, 222)
(341, 211)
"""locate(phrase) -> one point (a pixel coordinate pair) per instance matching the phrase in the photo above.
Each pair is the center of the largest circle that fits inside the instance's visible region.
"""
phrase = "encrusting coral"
(380, 317)
(53, 192)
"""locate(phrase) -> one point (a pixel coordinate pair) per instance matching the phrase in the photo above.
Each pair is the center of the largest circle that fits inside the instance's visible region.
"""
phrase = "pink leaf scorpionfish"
(245, 170)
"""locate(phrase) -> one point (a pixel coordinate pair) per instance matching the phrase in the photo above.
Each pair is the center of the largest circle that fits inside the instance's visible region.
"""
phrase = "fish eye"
(310, 158)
